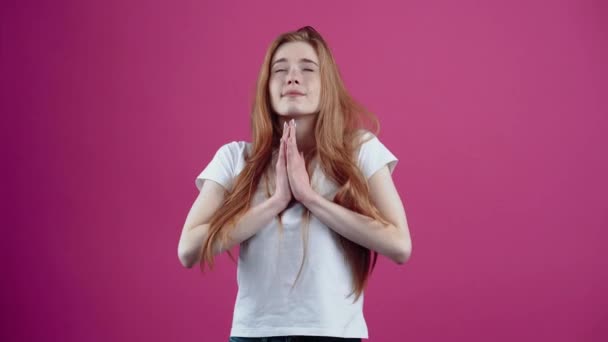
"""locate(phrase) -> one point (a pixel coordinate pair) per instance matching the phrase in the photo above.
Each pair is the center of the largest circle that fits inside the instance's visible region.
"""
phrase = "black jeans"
(293, 339)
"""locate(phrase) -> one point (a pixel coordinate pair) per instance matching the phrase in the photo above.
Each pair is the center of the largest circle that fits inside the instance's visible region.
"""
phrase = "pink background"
(495, 109)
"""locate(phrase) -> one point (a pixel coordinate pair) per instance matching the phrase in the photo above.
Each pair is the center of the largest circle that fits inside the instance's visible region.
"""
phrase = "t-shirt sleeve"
(221, 168)
(373, 155)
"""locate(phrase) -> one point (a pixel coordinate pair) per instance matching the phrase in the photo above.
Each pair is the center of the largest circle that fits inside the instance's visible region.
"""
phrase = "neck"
(305, 132)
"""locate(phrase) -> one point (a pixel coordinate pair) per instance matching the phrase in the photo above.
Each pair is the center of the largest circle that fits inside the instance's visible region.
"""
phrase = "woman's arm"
(392, 240)
(194, 232)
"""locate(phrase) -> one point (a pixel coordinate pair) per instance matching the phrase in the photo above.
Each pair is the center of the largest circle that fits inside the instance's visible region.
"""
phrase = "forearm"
(387, 240)
(248, 225)
(190, 244)
(252, 222)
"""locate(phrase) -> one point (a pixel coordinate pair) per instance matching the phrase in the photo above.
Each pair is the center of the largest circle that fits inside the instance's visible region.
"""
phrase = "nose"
(293, 76)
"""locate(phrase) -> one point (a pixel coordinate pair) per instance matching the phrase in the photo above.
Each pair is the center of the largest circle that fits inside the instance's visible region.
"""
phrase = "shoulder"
(235, 145)
(364, 136)
(225, 165)
(366, 141)
(230, 156)
(234, 150)
(372, 154)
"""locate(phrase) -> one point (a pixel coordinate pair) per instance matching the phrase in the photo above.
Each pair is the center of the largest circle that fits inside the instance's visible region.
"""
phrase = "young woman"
(310, 201)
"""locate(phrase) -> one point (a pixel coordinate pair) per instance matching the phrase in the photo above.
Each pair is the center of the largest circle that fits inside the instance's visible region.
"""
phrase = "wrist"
(277, 204)
(310, 199)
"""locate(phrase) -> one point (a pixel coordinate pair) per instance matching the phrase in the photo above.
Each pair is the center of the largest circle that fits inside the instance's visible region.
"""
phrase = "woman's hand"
(299, 181)
(282, 191)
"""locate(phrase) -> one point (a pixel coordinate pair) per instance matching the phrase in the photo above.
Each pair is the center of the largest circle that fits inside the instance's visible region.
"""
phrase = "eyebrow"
(305, 60)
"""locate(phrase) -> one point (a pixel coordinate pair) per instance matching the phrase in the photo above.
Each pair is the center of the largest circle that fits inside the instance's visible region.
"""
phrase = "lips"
(293, 93)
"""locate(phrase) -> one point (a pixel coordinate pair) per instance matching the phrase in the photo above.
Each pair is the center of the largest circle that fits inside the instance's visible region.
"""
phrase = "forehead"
(294, 51)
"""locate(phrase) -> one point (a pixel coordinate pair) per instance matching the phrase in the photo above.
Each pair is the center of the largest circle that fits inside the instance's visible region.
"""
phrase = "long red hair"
(339, 125)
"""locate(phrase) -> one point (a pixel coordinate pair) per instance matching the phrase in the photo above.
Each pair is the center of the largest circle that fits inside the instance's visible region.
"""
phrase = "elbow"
(189, 258)
(402, 258)
(403, 253)
(185, 259)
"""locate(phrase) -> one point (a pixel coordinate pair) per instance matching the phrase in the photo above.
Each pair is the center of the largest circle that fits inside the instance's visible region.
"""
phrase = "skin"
(298, 117)
(295, 66)
(392, 240)
(292, 179)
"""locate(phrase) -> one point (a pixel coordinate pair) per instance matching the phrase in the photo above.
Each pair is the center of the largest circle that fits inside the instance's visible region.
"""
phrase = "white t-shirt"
(266, 305)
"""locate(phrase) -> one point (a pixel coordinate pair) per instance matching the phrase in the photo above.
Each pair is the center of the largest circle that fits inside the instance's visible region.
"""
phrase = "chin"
(292, 111)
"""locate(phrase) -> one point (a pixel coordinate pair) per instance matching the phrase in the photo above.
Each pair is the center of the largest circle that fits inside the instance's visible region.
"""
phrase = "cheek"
(273, 89)
(316, 86)
(275, 94)
(317, 92)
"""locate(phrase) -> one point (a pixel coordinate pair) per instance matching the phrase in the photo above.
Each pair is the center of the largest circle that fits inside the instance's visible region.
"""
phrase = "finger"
(285, 129)
(290, 151)
(285, 151)
(287, 148)
(281, 151)
(291, 135)
(283, 140)
(290, 145)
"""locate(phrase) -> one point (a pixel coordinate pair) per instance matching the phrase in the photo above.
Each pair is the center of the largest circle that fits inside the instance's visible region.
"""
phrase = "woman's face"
(295, 82)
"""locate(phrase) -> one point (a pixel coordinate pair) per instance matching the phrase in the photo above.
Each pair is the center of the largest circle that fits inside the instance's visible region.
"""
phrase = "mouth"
(292, 93)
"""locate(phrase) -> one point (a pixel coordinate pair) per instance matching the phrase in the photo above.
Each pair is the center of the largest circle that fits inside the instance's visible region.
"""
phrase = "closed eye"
(281, 70)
